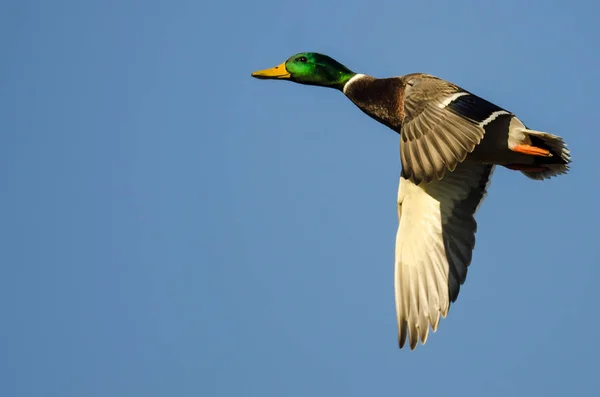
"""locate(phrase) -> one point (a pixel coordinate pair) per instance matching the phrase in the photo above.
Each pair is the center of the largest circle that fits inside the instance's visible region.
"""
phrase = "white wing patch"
(492, 117)
(434, 244)
(452, 98)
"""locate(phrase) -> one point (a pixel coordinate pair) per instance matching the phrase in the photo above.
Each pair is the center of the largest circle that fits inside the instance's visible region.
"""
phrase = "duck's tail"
(546, 166)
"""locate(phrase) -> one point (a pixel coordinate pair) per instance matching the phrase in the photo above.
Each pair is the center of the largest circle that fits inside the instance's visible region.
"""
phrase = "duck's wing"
(434, 245)
(442, 123)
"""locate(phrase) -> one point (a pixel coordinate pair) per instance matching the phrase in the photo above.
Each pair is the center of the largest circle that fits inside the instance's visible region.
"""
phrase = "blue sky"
(173, 227)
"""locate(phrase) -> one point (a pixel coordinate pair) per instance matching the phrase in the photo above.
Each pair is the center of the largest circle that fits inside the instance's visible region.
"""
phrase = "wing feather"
(442, 124)
(434, 244)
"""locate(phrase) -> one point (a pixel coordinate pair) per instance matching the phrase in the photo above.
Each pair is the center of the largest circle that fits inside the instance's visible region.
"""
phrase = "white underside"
(429, 214)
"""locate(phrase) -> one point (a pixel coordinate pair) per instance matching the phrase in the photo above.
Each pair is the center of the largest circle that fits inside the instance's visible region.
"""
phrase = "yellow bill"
(277, 72)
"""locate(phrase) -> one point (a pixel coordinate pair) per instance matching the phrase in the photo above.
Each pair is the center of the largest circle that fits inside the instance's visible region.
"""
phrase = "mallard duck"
(450, 142)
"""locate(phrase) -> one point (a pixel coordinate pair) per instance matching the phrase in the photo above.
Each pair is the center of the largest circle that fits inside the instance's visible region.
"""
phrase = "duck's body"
(441, 124)
(450, 141)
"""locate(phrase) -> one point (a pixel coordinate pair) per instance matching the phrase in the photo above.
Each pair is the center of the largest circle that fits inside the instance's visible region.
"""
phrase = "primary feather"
(434, 244)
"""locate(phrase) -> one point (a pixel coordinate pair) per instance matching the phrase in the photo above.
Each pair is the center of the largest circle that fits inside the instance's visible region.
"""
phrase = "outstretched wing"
(442, 124)
(434, 245)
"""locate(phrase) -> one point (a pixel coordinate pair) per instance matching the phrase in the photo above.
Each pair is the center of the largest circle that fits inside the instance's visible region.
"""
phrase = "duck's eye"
(302, 59)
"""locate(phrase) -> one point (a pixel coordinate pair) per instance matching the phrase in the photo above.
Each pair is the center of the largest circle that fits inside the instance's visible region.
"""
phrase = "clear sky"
(172, 227)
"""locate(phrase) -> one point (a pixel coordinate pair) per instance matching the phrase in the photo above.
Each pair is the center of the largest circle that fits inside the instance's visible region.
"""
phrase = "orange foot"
(531, 150)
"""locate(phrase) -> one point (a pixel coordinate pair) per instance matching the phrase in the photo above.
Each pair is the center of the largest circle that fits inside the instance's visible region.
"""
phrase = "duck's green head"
(309, 68)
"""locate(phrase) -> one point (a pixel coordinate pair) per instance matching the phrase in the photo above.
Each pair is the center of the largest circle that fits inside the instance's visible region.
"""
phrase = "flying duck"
(450, 142)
